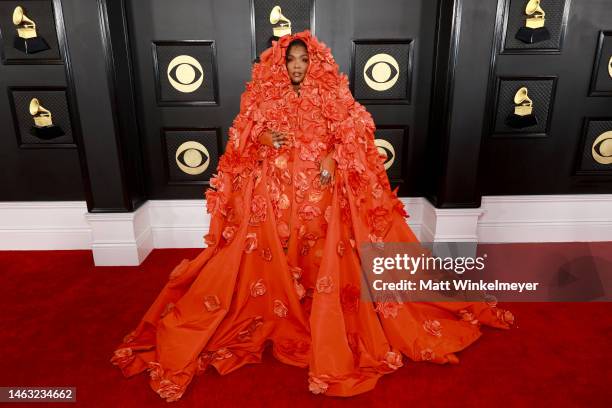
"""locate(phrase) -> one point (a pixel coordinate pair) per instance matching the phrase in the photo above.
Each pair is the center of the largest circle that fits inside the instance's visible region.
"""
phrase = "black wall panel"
(33, 169)
(105, 78)
(547, 165)
(161, 32)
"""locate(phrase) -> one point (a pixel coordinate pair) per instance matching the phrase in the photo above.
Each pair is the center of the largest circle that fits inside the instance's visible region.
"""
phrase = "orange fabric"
(282, 263)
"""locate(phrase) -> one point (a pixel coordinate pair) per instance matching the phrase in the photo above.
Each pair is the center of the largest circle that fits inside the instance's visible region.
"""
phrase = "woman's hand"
(273, 139)
(327, 169)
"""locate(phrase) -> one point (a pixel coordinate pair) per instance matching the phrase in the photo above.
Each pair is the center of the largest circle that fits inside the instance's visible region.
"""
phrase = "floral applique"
(210, 239)
(283, 202)
(250, 242)
(299, 289)
(301, 231)
(301, 181)
(433, 327)
(257, 173)
(325, 284)
(315, 196)
(283, 230)
(318, 384)
(273, 190)
(212, 303)
(280, 309)
(304, 249)
(308, 212)
(258, 209)
(468, 316)
(340, 248)
(296, 272)
(266, 254)
(310, 239)
(393, 360)
(376, 241)
(122, 357)
(427, 354)
(378, 219)
(255, 324)
(377, 191)
(247, 334)
(229, 232)
(258, 288)
(281, 162)
(223, 353)
(328, 214)
(243, 336)
(204, 359)
(286, 177)
(167, 389)
(170, 391)
(130, 337)
(505, 316)
(388, 309)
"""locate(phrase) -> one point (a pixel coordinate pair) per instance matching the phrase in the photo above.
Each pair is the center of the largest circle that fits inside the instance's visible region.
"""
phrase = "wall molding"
(120, 238)
(44, 225)
(127, 238)
(546, 218)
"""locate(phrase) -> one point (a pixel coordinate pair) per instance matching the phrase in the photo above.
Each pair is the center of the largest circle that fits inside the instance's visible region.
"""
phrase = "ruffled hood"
(323, 72)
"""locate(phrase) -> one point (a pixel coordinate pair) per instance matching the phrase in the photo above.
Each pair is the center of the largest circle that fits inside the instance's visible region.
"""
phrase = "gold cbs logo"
(192, 158)
(185, 73)
(381, 72)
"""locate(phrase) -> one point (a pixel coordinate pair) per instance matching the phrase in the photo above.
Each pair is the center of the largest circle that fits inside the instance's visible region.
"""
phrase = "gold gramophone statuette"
(26, 28)
(522, 116)
(534, 30)
(27, 39)
(610, 67)
(42, 117)
(524, 104)
(43, 122)
(536, 17)
(280, 24)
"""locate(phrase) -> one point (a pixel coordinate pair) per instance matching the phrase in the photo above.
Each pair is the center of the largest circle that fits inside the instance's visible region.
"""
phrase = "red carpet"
(61, 317)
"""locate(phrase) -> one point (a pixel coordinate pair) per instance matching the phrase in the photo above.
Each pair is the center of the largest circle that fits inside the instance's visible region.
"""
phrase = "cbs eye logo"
(192, 158)
(381, 72)
(185, 74)
(602, 148)
(386, 148)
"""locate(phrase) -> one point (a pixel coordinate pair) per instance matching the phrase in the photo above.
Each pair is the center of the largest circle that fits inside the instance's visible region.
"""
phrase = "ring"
(325, 173)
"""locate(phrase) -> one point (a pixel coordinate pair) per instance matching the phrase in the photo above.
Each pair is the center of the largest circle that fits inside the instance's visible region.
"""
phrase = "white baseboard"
(547, 218)
(127, 238)
(121, 238)
(178, 223)
(450, 225)
(44, 225)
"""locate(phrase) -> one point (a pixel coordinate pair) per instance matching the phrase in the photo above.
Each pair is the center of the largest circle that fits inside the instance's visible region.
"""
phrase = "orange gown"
(282, 262)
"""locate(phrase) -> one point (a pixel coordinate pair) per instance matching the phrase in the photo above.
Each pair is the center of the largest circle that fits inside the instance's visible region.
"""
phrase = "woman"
(300, 186)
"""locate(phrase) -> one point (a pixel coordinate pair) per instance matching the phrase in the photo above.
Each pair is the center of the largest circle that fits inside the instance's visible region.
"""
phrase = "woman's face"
(297, 63)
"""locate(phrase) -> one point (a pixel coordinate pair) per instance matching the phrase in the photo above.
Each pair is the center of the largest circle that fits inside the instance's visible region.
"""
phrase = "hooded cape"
(282, 263)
